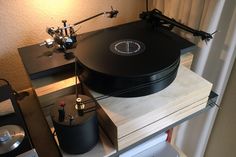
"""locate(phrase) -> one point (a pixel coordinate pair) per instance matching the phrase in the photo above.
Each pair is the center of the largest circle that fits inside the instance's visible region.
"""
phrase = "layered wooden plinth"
(128, 120)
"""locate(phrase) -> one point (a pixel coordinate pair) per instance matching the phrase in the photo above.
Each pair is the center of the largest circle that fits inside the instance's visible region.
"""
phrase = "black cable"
(116, 93)
(2, 79)
(19, 96)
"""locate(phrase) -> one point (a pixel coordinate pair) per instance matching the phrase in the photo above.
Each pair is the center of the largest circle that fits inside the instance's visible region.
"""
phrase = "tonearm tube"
(156, 17)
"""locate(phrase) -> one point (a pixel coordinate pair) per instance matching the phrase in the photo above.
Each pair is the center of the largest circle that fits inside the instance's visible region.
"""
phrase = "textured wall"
(23, 22)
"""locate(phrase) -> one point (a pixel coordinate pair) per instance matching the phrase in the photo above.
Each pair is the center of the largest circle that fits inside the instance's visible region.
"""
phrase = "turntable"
(129, 60)
(134, 60)
(115, 59)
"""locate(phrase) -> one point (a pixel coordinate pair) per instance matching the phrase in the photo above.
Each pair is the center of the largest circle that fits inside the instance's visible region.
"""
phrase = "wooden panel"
(187, 86)
(107, 124)
(128, 115)
(41, 91)
(160, 124)
(150, 117)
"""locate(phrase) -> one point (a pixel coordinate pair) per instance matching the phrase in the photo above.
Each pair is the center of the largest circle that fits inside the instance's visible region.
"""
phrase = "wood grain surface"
(121, 117)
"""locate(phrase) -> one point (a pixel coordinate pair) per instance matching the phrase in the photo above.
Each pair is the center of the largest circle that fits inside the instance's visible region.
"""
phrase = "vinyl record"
(130, 56)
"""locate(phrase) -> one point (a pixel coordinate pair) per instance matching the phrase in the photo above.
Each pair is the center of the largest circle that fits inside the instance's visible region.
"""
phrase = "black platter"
(106, 68)
(129, 60)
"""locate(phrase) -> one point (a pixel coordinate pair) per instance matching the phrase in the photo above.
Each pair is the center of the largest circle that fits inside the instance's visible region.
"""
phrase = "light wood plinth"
(128, 120)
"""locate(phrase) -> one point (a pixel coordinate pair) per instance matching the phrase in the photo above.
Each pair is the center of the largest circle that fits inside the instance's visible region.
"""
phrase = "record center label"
(127, 47)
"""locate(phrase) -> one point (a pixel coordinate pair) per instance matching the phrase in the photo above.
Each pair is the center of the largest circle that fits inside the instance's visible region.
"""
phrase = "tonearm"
(64, 37)
(156, 18)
